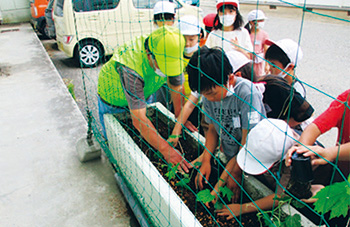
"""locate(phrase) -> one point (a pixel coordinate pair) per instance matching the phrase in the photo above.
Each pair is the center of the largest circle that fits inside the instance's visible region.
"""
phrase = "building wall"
(15, 11)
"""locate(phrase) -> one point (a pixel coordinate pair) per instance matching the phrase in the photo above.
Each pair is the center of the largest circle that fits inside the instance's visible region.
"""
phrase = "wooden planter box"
(159, 201)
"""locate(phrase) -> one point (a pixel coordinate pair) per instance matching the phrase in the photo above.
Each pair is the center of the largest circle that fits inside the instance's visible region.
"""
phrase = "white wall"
(14, 11)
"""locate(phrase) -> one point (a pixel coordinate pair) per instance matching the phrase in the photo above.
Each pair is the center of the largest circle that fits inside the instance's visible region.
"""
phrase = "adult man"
(135, 72)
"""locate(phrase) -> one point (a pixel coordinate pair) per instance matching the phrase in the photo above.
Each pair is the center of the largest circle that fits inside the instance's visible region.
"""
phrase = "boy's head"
(164, 13)
(285, 54)
(267, 143)
(208, 22)
(191, 30)
(242, 66)
(209, 71)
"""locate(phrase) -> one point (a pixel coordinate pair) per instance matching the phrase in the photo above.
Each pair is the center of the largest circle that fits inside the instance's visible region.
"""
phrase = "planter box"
(159, 201)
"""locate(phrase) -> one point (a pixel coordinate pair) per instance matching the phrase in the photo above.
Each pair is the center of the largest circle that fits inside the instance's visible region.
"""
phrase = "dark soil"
(206, 216)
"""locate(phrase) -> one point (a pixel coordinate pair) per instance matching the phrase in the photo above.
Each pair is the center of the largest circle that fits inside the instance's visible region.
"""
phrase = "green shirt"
(132, 55)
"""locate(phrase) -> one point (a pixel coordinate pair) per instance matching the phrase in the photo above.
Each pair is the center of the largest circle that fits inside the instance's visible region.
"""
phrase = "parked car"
(50, 25)
(37, 10)
(91, 29)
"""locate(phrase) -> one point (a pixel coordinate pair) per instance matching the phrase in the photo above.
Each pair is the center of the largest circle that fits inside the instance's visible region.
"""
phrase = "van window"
(91, 5)
(149, 4)
(59, 8)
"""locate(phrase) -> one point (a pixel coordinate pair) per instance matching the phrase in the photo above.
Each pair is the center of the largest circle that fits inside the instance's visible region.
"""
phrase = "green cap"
(167, 45)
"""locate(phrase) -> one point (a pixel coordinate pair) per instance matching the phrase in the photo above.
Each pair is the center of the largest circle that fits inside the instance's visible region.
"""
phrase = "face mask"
(260, 25)
(189, 50)
(227, 20)
(230, 90)
(282, 73)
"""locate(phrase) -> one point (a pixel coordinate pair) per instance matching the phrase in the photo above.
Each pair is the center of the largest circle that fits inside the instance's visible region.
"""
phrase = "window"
(58, 11)
(149, 4)
(91, 5)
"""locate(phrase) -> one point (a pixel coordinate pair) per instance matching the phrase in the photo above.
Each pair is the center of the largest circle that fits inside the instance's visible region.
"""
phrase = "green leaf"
(218, 205)
(294, 221)
(205, 196)
(334, 198)
(183, 182)
(172, 172)
(284, 198)
(225, 191)
(197, 164)
(222, 180)
(297, 204)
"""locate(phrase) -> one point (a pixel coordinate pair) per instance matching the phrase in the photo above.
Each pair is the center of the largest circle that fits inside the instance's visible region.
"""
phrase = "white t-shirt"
(215, 39)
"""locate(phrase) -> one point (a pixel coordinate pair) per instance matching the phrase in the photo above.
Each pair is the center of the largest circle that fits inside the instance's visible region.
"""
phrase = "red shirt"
(334, 115)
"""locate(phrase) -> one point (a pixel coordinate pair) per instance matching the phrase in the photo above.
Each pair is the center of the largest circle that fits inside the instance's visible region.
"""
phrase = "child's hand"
(190, 126)
(233, 186)
(233, 209)
(204, 171)
(173, 139)
(235, 43)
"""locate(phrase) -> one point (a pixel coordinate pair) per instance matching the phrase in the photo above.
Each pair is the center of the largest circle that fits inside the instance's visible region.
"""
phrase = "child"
(242, 67)
(281, 101)
(229, 33)
(164, 13)
(337, 115)
(283, 56)
(232, 106)
(266, 147)
(208, 22)
(256, 22)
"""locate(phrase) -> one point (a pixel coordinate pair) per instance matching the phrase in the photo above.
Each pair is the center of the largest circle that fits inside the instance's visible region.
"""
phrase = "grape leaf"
(334, 198)
(183, 182)
(218, 205)
(205, 196)
(197, 164)
(226, 192)
(172, 172)
(294, 221)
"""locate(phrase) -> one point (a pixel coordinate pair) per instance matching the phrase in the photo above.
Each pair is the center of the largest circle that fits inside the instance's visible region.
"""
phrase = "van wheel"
(90, 53)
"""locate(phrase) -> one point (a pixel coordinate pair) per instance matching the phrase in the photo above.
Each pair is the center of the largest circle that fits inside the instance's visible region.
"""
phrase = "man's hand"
(232, 210)
(204, 171)
(174, 156)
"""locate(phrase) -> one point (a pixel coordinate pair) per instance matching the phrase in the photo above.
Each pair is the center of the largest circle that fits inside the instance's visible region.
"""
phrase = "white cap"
(256, 15)
(189, 25)
(266, 144)
(237, 59)
(290, 48)
(219, 3)
(164, 7)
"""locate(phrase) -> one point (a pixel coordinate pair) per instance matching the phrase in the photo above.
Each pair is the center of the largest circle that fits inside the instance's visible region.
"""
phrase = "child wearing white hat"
(266, 147)
(255, 25)
(228, 32)
(164, 13)
(283, 56)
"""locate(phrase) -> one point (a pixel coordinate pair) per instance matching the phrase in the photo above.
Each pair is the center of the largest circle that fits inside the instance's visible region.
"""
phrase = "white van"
(91, 29)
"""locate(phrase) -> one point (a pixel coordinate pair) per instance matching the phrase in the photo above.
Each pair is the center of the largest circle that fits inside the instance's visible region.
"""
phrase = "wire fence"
(246, 123)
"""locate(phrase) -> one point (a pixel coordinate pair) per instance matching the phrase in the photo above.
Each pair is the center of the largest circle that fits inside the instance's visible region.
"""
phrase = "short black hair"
(207, 68)
(277, 96)
(274, 52)
(164, 17)
(247, 72)
(238, 22)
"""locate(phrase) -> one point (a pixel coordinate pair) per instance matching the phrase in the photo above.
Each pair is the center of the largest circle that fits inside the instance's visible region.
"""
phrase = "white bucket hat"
(189, 25)
(266, 144)
(256, 15)
(164, 7)
(290, 48)
(237, 59)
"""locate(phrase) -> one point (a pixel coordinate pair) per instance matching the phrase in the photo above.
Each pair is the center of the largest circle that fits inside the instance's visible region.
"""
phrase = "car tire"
(89, 53)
